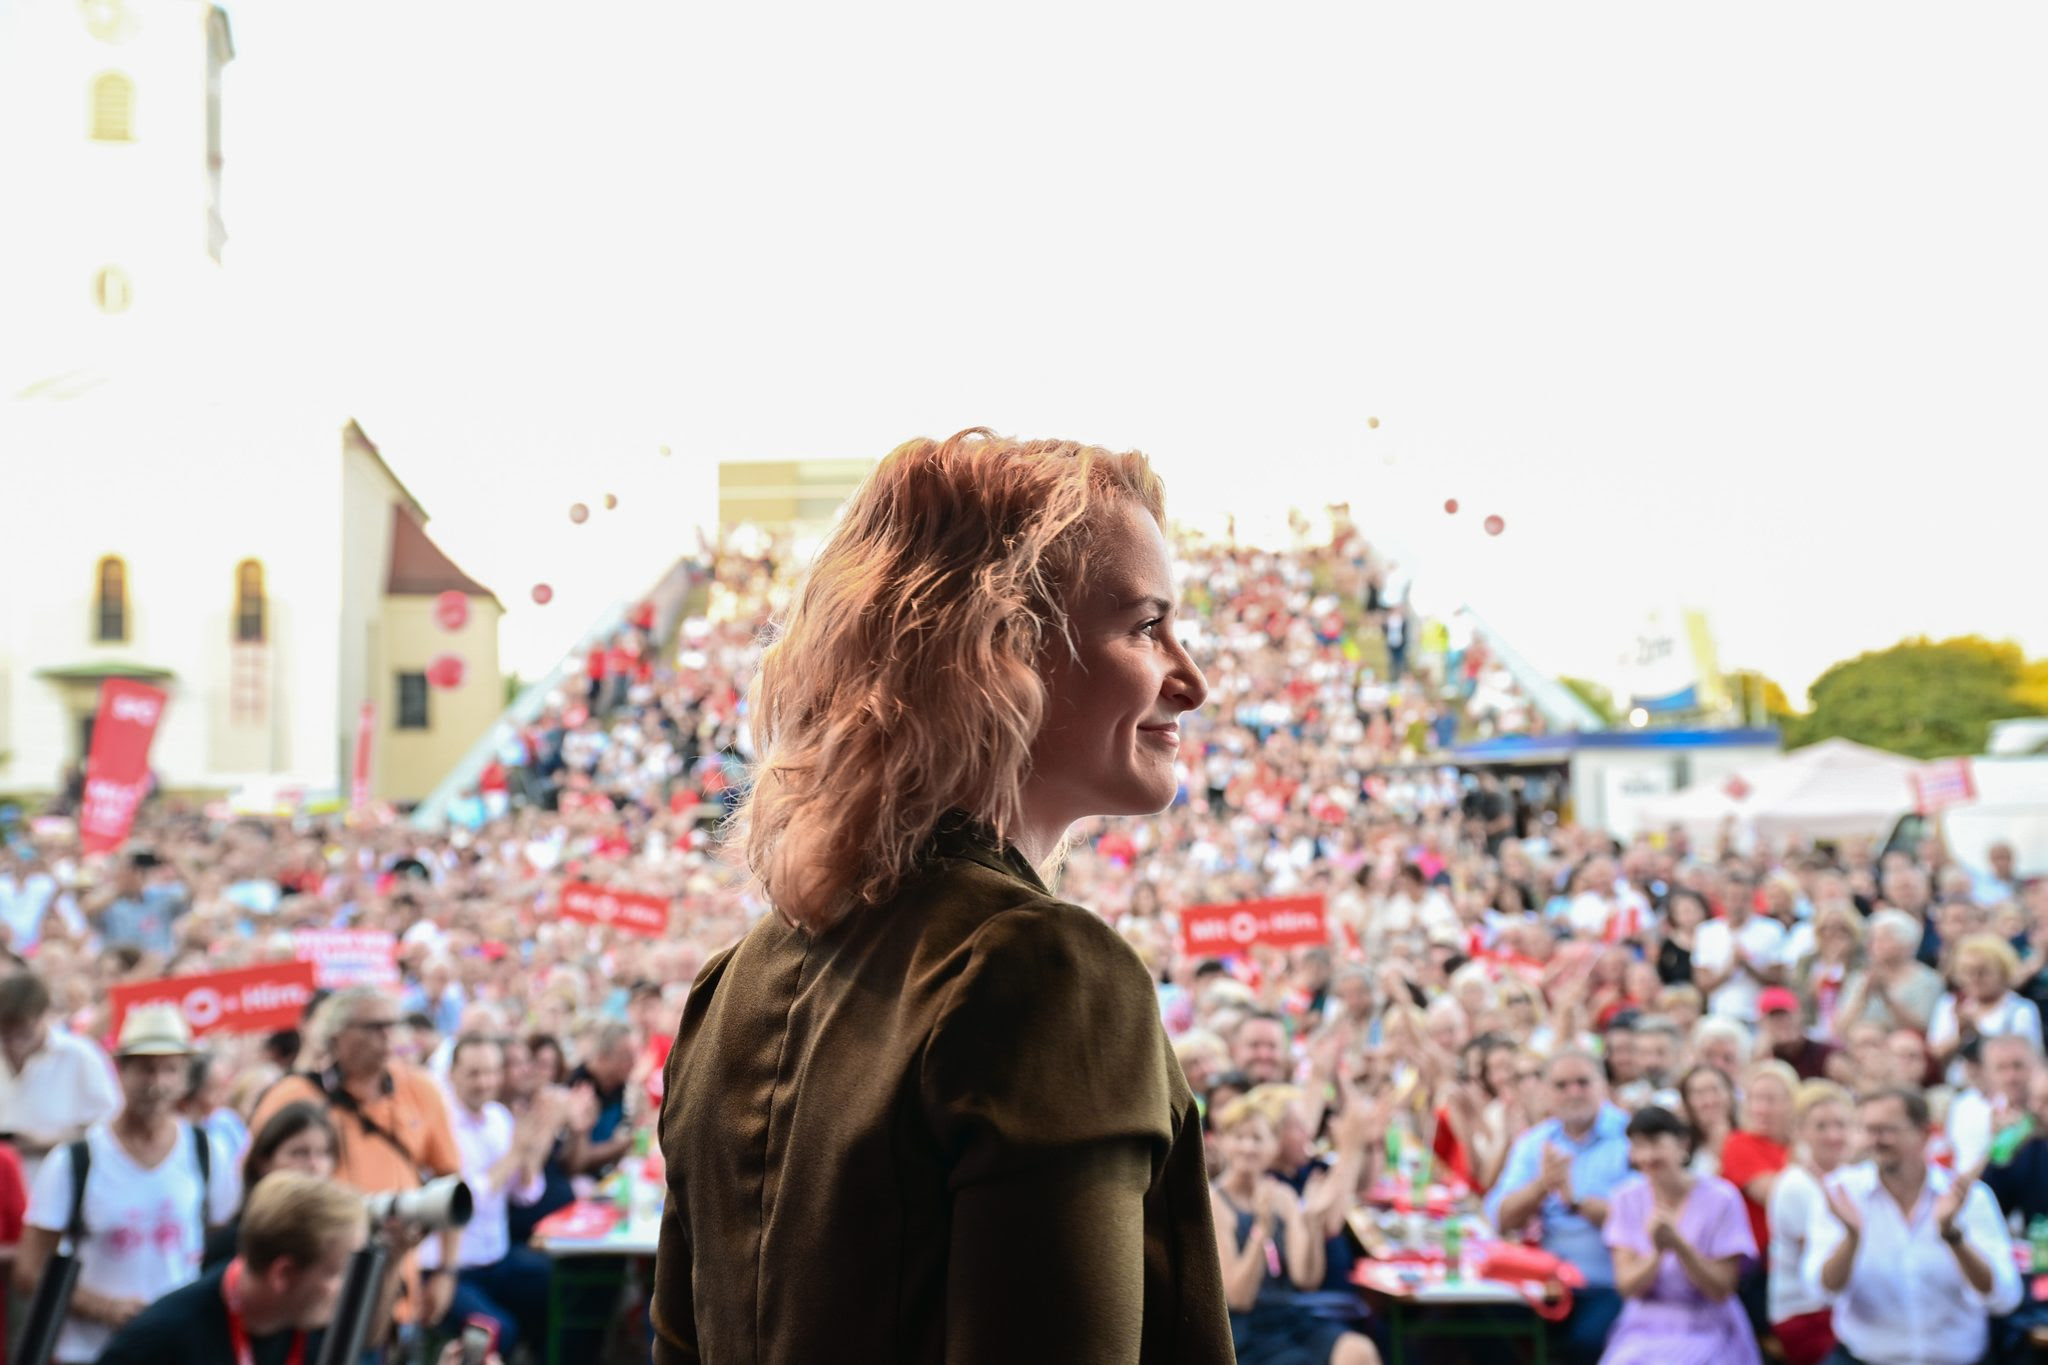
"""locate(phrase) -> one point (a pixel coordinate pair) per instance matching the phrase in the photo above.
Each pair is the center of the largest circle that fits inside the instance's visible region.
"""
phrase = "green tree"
(1922, 698)
(1595, 696)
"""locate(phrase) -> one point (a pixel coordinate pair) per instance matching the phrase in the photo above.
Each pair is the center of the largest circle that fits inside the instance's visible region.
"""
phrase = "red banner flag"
(117, 770)
(249, 1000)
(627, 910)
(1220, 930)
(359, 773)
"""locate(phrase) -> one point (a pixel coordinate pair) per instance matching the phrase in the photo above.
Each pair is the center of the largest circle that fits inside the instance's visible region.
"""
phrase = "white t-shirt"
(1795, 1202)
(23, 906)
(1713, 947)
(142, 1232)
(66, 1087)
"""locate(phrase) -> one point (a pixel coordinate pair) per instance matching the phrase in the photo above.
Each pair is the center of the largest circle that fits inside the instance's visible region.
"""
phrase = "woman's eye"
(1152, 626)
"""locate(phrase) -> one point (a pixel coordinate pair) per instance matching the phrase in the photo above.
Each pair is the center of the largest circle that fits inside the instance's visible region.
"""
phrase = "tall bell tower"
(110, 167)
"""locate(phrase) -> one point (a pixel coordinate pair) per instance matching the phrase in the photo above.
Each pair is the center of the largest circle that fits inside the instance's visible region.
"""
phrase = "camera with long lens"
(433, 1207)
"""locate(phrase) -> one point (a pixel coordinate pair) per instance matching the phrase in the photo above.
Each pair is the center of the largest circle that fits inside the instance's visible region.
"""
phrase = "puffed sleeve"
(1044, 1083)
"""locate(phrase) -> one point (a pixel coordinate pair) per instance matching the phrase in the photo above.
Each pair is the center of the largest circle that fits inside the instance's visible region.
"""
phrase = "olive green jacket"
(948, 1129)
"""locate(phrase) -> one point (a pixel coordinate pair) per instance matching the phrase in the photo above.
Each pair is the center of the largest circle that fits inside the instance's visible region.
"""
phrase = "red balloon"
(543, 594)
(446, 671)
(1494, 526)
(611, 501)
(1451, 506)
(578, 513)
(451, 610)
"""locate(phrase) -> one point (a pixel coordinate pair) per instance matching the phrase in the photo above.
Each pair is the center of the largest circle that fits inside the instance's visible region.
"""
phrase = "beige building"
(185, 508)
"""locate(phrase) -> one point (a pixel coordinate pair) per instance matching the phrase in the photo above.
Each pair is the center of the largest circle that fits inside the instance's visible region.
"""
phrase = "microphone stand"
(348, 1332)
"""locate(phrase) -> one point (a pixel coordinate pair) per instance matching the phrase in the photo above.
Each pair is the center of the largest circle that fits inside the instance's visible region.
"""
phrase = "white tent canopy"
(1835, 789)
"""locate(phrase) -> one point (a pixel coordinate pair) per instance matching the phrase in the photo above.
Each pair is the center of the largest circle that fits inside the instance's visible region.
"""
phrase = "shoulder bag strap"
(81, 1167)
(339, 1098)
(202, 1149)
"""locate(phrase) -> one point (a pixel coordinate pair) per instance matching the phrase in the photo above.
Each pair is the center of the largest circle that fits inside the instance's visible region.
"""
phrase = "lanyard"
(238, 1337)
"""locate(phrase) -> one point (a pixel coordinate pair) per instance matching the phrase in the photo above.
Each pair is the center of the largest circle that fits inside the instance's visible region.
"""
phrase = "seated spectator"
(1984, 1004)
(1563, 1171)
(1259, 1048)
(1894, 990)
(1784, 1027)
(1679, 1241)
(1683, 1005)
(1979, 1115)
(1659, 1044)
(1798, 1315)
(501, 1164)
(606, 1078)
(1915, 1260)
(1751, 1160)
(1707, 1100)
(1271, 1251)
(1723, 1044)
(1824, 976)
(2018, 1177)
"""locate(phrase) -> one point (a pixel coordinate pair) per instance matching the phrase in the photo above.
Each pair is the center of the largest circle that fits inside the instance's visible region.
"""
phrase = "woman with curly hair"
(926, 1110)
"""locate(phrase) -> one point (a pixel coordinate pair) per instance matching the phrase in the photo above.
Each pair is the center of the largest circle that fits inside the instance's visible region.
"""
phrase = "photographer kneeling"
(275, 1300)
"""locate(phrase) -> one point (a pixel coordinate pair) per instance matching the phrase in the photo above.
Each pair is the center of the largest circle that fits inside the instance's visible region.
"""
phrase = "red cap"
(1776, 998)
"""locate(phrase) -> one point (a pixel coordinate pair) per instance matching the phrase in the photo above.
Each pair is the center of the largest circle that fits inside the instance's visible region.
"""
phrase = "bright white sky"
(1741, 305)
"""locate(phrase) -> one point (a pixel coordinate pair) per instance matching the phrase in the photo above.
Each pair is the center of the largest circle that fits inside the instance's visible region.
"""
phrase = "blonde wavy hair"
(908, 680)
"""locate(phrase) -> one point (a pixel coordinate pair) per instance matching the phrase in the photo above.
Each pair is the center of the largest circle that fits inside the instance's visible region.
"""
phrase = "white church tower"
(181, 508)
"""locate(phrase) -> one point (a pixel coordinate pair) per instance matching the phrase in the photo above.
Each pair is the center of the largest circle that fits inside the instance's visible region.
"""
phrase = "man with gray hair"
(603, 1086)
(1894, 990)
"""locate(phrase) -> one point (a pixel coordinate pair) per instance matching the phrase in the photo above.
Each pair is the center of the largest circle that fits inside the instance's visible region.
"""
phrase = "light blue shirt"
(1599, 1163)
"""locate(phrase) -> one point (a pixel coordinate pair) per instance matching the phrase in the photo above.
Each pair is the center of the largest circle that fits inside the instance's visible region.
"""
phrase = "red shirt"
(1744, 1157)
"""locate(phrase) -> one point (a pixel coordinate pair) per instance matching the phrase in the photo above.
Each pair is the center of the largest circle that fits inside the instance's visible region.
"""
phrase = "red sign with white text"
(117, 770)
(1220, 930)
(249, 1000)
(627, 910)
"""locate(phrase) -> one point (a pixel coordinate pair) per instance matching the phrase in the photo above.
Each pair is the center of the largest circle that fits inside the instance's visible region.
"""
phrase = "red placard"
(627, 910)
(117, 770)
(250, 1000)
(1219, 930)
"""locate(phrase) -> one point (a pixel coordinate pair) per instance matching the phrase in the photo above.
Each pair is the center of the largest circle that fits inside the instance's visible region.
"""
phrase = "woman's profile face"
(1110, 738)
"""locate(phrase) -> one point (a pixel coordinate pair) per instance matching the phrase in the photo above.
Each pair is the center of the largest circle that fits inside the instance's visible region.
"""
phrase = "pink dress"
(1675, 1324)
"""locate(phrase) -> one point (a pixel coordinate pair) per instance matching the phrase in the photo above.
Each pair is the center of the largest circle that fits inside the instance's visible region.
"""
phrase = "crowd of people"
(1788, 1099)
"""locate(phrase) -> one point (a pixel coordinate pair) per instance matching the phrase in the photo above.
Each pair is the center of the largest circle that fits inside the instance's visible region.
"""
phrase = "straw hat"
(154, 1031)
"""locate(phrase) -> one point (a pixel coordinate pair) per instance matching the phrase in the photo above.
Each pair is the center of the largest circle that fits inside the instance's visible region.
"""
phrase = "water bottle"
(1454, 1249)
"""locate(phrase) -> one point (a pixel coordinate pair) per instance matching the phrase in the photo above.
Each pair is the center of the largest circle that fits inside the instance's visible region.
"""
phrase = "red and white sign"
(359, 772)
(1289, 922)
(627, 910)
(250, 1000)
(349, 957)
(1943, 783)
(117, 770)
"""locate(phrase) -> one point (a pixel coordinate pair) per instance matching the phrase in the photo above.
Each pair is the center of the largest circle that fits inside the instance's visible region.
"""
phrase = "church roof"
(419, 568)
